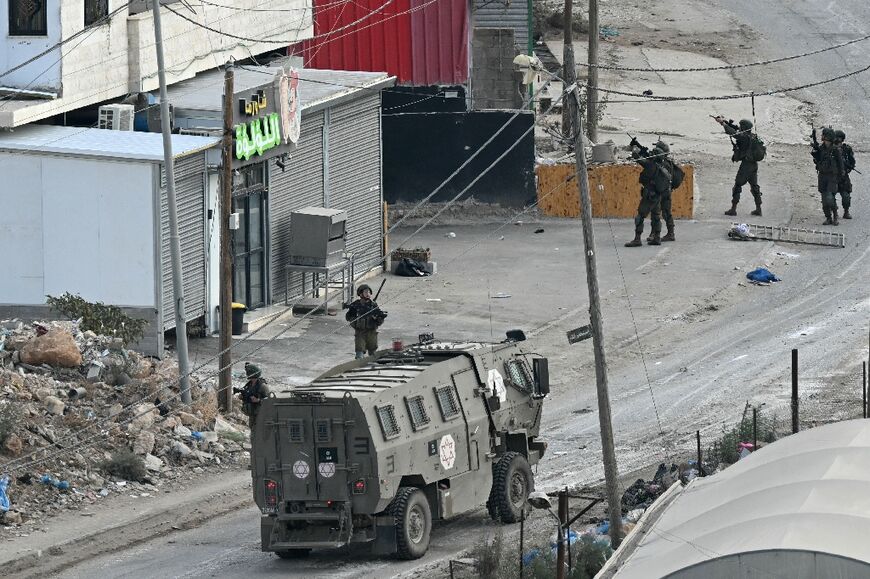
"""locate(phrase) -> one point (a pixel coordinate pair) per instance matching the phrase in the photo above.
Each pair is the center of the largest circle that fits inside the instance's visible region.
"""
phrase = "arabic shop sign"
(267, 120)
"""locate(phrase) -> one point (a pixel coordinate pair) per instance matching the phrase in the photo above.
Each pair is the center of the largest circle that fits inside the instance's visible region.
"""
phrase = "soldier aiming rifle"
(253, 393)
(365, 318)
(831, 170)
(655, 181)
(748, 151)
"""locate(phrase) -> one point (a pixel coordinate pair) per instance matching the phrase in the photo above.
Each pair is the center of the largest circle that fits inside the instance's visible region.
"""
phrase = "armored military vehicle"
(376, 449)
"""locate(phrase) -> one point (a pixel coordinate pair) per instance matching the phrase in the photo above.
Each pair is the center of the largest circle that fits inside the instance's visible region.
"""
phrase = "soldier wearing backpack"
(655, 180)
(830, 167)
(748, 151)
(677, 176)
(845, 186)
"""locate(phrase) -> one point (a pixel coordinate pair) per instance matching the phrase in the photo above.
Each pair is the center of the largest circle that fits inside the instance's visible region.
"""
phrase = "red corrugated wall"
(422, 42)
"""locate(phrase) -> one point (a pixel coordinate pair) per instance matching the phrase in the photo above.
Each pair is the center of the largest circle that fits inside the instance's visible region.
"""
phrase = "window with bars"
(96, 11)
(323, 431)
(387, 418)
(447, 402)
(417, 412)
(27, 18)
(520, 375)
(297, 432)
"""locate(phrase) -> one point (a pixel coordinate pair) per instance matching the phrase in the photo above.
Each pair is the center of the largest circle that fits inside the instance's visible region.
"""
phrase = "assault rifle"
(635, 143)
(816, 149)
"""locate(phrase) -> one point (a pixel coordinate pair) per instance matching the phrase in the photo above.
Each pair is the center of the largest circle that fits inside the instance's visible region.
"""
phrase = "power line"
(727, 66)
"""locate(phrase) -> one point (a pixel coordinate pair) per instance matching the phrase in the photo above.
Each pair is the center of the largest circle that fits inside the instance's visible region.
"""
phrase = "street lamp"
(541, 501)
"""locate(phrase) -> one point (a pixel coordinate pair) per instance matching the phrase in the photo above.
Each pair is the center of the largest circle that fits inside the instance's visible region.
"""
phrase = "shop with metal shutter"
(190, 186)
(354, 183)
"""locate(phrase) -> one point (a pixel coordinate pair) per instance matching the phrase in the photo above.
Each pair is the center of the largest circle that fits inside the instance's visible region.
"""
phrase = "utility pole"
(225, 380)
(591, 90)
(614, 501)
(569, 69)
(174, 242)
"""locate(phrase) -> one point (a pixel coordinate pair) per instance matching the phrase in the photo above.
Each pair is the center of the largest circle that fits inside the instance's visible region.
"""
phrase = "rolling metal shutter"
(299, 185)
(190, 196)
(355, 176)
(506, 14)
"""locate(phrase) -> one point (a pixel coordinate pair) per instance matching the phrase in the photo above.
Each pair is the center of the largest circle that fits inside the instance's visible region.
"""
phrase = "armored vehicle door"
(312, 447)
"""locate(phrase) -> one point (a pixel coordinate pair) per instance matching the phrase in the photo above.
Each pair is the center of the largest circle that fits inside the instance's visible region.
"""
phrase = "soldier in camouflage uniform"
(845, 186)
(365, 318)
(831, 170)
(667, 216)
(748, 170)
(253, 393)
(655, 181)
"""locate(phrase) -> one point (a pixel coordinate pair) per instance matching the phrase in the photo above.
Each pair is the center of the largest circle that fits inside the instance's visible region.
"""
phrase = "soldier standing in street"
(845, 187)
(667, 215)
(253, 393)
(748, 171)
(365, 318)
(829, 165)
(655, 181)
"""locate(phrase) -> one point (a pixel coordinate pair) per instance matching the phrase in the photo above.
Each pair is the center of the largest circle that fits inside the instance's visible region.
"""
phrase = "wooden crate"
(614, 189)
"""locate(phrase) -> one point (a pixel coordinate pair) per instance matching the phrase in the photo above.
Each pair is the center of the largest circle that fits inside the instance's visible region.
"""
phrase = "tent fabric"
(807, 493)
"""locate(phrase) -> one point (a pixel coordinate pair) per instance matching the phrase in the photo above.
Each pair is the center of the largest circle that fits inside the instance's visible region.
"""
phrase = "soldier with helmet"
(744, 153)
(655, 181)
(365, 318)
(831, 170)
(845, 186)
(253, 393)
(667, 215)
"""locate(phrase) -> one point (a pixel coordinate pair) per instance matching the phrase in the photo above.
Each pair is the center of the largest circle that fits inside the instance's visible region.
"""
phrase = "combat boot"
(733, 210)
(656, 240)
(846, 214)
(636, 242)
(835, 221)
(757, 211)
(827, 216)
(669, 236)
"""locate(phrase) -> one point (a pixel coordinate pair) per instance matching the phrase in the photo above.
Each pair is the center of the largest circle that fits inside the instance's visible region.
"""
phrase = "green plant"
(10, 416)
(724, 451)
(126, 465)
(98, 317)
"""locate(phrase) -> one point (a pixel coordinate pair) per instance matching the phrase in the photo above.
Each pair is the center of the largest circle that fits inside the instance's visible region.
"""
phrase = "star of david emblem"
(300, 469)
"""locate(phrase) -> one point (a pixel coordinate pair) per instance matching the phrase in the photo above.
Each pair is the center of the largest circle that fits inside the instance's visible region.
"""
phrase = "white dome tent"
(798, 508)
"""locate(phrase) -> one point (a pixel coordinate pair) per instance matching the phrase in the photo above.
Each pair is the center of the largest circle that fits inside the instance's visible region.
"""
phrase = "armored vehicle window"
(297, 432)
(447, 402)
(519, 374)
(417, 412)
(387, 418)
(323, 432)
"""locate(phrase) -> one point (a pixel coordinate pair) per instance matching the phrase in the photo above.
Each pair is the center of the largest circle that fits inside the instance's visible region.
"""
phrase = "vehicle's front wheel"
(512, 481)
(293, 553)
(413, 522)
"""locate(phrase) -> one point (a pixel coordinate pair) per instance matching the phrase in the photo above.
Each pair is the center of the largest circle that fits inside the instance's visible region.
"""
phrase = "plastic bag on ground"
(4, 498)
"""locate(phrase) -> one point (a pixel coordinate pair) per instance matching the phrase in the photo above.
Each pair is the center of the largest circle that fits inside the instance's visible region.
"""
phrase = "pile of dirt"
(83, 418)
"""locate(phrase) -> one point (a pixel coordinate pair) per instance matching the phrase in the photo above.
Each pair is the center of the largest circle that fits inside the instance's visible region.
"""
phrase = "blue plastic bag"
(761, 275)
(4, 498)
(196, 435)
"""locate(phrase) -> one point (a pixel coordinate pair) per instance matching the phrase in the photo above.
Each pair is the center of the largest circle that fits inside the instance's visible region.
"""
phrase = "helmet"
(839, 135)
(656, 152)
(828, 134)
(363, 288)
(745, 124)
(663, 146)
(252, 371)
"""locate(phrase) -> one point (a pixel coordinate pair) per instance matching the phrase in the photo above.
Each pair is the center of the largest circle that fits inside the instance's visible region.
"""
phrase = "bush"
(724, 450)
(126, 465)
(10, 416)
(98, 317)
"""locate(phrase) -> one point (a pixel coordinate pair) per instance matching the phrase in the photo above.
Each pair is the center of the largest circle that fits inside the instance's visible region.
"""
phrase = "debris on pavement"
(89, 401)
(761, 275)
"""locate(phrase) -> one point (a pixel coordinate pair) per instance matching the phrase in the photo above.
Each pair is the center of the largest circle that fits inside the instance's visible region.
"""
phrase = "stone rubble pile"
(83, 400)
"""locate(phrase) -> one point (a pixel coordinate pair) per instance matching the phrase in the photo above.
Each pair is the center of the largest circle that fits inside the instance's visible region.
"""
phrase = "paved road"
(690, 349)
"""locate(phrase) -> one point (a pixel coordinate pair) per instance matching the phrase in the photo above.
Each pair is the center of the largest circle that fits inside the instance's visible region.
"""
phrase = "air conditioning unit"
(116, 117)
(201, 132)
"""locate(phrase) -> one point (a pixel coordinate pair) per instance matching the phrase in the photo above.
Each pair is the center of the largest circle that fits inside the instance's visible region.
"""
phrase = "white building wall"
(92, 235)
(43, 74)
(119, 57)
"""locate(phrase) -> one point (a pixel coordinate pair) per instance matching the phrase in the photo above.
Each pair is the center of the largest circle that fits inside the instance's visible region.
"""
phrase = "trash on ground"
(412, 268)
(501, 296)
(761, 275)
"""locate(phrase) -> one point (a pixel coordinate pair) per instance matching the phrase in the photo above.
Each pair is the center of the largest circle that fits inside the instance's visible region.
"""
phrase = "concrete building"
(57, 56)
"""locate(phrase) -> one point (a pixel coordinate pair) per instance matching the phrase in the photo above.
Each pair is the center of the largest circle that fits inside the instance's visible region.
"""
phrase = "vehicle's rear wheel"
(512, 481)
(293, 553)
(413, 522)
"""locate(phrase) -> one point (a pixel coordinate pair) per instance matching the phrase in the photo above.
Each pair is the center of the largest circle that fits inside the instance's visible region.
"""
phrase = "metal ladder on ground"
(795, 235)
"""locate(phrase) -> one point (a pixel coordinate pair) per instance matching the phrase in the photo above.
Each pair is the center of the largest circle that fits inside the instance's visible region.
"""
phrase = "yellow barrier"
(614, 189)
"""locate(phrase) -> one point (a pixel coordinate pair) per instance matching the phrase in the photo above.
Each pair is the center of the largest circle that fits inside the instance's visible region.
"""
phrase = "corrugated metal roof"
(317, 87)
(807, 493)
(505, 14)
(89, 142)
(422, 42)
